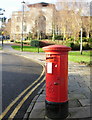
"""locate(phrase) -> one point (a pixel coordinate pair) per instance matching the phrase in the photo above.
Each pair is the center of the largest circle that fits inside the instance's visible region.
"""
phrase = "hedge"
(37, 43)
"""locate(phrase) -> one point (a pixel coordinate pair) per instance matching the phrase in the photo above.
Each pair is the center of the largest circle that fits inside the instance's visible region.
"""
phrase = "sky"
(15, 5)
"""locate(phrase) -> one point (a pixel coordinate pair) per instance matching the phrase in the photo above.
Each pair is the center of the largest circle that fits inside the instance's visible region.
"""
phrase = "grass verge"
(74, 56)
(0, 48)
(28, 48)
(85, 58)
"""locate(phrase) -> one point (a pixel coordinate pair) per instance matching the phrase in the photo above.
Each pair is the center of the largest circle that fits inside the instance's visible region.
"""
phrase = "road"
(18, 74)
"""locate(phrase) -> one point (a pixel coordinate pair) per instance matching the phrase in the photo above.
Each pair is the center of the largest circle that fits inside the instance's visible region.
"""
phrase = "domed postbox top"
(56, 48)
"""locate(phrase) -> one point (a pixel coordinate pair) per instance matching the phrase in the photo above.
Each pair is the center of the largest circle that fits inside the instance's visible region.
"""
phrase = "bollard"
(56, 102)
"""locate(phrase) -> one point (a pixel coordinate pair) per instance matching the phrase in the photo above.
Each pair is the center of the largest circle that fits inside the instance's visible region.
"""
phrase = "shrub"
(50, 37)
(34, 43)
(76, 47)
(44, 43)
(25, 43)
(58, 37)
(72, 45)
(90, 40)
(67, 44)
(84, 39)
(86, 46)
(71, 39)
(12, 40)
(17, 41)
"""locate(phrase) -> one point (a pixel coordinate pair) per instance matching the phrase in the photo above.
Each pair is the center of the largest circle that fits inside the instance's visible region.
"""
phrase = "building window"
(17, 28)
(24, 20)
(18, 19)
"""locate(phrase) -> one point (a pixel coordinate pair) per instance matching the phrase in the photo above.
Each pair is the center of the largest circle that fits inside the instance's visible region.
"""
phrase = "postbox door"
(52, 74)
(55, 86)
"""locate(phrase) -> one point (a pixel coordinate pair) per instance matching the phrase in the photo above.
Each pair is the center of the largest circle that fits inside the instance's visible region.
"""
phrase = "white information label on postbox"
(49, 67)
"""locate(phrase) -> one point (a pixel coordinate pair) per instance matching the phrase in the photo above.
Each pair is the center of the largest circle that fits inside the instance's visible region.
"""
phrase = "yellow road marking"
(22, 101)
(16, 99)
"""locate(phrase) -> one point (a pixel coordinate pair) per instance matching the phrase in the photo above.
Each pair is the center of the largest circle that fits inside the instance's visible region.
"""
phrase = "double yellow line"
(23, 100)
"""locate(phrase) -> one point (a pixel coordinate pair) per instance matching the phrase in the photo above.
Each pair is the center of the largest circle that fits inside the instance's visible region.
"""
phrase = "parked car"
(2, 37)
(7, 37)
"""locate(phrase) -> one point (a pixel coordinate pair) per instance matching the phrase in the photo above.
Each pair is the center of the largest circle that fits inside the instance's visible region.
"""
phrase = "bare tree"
(7, 29)
(70, 20)
(71, 16)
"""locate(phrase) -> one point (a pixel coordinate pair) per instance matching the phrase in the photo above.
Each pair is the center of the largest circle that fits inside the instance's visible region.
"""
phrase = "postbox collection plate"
(49, 67)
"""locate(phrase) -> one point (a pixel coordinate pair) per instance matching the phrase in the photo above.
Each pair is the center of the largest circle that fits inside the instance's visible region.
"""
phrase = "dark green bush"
(71, 39)
(34, 43)
(49, 37)
(84, 39)
(74, 46)
(44, 43)
(67, 44)
(12, 40)
(86, 46)
(25, 43)
(17, 41)
(58, 37)
(90, 40)
(71, 45)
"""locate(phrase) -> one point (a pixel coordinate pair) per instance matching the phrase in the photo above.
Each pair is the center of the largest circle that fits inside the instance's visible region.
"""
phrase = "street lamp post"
(2, 39)
(2, 19)
(80, 33)
(81, 43)
(22, 25)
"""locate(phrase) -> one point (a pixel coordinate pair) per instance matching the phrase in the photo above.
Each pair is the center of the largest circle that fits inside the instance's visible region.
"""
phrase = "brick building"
(43, 19)
(37, 20)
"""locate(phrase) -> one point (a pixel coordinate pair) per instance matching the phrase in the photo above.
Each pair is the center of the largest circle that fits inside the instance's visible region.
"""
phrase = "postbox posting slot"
(50, 58)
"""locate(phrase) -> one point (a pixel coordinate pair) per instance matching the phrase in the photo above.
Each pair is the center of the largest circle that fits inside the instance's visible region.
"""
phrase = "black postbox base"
(56, 110)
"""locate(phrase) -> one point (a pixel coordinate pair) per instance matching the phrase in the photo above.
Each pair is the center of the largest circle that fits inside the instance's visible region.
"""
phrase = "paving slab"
(85, 102)
(80, 112)
(38, 110)
(74, 103)
(74, 112)
(41, 98)
(74, 95)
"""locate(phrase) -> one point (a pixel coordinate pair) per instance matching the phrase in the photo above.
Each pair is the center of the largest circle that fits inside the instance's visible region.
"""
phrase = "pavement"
(79, 89)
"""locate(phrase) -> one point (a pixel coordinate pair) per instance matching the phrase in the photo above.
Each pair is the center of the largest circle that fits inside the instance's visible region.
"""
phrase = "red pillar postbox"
(56, 103)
